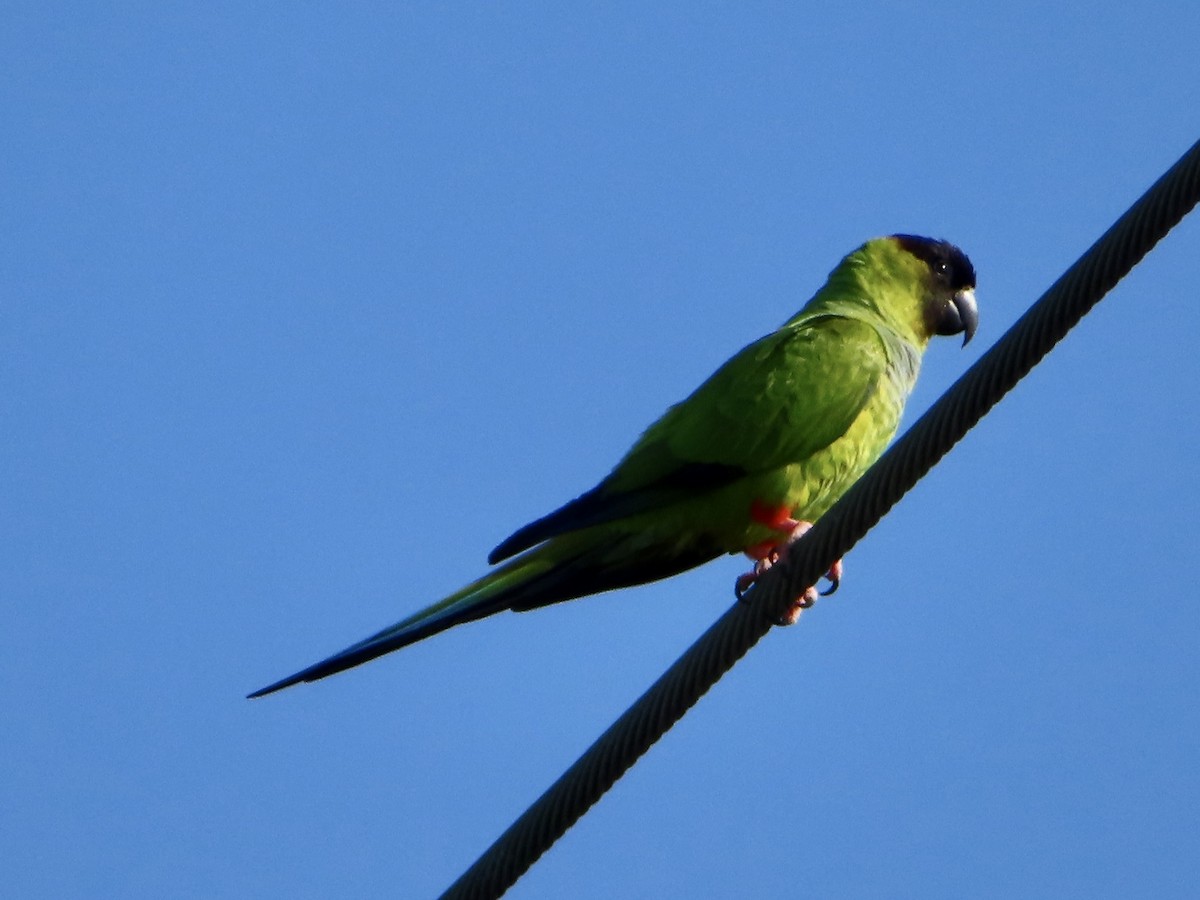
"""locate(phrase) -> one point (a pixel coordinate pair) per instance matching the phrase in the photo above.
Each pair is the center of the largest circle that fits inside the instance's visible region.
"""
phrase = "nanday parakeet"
(762, 448)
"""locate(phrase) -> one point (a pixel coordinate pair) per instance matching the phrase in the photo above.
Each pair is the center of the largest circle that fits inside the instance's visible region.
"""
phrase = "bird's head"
(917, 286)
(945, 281)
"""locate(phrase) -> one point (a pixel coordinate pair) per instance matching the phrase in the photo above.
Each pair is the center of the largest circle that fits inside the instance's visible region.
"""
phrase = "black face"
(948, 264)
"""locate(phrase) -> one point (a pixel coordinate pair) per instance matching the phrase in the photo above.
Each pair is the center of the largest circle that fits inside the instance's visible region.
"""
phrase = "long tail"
(478, 599)
(537, 578)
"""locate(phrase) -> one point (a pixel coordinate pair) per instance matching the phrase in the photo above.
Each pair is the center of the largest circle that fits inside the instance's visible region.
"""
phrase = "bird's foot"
(768, 554)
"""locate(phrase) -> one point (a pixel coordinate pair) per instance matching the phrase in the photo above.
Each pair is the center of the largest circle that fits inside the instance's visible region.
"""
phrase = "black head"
(948, 264)
(954, 310)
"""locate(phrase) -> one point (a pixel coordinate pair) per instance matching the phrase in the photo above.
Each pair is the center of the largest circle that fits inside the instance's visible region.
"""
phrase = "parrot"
(745, 464)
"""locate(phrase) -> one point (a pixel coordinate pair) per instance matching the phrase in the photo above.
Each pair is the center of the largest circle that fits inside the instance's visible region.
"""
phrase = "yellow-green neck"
(880, 283)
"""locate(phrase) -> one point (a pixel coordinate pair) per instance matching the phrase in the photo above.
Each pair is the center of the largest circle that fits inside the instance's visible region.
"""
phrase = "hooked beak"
(961, 315)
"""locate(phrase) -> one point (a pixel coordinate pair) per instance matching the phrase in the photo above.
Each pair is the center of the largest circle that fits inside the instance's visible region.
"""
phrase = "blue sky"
(306, 307)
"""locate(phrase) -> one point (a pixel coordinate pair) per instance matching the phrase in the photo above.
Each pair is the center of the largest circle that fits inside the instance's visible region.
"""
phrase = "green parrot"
(758, 452)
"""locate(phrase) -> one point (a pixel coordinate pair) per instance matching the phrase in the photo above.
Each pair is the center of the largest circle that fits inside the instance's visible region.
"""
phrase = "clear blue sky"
(305, 307)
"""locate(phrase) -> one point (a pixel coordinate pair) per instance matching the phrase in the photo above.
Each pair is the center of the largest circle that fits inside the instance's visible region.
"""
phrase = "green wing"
(776, 402)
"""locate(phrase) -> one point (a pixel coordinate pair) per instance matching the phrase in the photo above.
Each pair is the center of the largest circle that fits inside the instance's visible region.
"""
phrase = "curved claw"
(743, 584)
(834, 577)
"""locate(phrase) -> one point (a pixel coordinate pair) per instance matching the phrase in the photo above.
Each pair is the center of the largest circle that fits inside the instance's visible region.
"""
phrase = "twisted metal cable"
(1033, 336)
